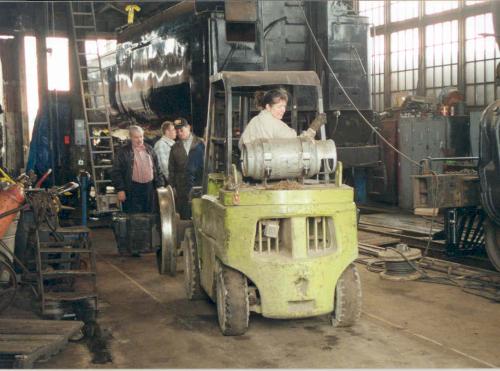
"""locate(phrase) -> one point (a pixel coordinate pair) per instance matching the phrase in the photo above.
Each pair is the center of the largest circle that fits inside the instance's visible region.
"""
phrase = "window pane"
(480, 72)
(376, 49)
(31, 79)
(436, 6)
(401, 10)
(469, 73)
(482, 55)
(490, 70)
(438, 76)
(446, 75)
(374, 10)
(404, 60)
(479, 95)
(473, 2)
(57, 63)
(444, 54)
(470, 95)
(490, 93)
(429, 77)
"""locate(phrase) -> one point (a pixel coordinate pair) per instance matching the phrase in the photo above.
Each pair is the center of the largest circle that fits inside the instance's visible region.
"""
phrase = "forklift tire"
(192, 283)
(233, 309)
(492, 243)
(347, 306)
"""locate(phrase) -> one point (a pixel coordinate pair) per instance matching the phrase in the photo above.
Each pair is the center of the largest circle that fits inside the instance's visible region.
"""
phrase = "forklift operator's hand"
(318, 122)
(121, 196)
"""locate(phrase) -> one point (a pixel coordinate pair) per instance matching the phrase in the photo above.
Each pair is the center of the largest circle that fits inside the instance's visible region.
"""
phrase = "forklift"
(273, 229)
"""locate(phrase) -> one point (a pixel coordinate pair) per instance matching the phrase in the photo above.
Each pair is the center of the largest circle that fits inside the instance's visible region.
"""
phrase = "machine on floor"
(276, 233)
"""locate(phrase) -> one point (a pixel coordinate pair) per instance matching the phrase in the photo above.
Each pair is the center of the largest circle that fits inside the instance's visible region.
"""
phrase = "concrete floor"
(149, 323)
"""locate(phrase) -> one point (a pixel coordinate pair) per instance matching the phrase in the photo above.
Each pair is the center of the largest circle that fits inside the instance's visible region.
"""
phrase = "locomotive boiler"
(163, 64)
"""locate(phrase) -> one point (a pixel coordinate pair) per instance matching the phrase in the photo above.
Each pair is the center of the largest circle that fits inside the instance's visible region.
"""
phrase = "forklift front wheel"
(233, 308)
(192, 282)
(347, 306)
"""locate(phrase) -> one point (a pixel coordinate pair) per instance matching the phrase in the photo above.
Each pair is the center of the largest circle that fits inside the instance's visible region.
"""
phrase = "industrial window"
(376, 49)
(437, 6)
(404, 63)
(31, 80)
(474, 2)
(402, 10)
(106, 49)
(57, 63)
(57, 71)
(481, 58)
(374, 10)
(441, 56)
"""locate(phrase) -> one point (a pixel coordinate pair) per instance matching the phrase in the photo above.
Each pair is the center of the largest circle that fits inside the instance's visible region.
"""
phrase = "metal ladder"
(65, 268)
(95, 105)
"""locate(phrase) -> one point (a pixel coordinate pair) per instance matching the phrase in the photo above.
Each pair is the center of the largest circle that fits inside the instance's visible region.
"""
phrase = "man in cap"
(177, 164)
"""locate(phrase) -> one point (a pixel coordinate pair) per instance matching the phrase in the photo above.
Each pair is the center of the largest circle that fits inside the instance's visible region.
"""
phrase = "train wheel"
(492, 243)
(166, 256)
(233, 308)
(347, 307)
(192, 282)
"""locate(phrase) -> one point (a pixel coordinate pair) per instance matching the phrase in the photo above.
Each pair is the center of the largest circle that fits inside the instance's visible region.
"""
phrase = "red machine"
(10, 199)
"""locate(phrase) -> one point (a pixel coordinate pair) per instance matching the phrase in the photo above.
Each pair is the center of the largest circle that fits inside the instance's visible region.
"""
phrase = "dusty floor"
(148, 323)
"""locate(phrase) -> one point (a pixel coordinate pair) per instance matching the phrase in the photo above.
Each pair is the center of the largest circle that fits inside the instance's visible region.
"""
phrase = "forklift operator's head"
(275, 101)
(136, 135)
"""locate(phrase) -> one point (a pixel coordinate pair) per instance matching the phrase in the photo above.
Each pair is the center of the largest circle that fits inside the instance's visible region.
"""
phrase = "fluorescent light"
(6, 37)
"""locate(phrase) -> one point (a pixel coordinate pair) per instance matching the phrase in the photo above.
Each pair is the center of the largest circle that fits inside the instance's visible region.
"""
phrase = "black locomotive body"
(163, 65)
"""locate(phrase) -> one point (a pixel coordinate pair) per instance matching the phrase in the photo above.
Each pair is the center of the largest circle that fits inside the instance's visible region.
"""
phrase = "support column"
(15, 99)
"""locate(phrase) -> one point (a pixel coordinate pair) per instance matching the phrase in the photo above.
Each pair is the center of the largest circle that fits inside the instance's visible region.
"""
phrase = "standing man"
(136, 174)
(164, 145)
(194, 166)
(177, 164)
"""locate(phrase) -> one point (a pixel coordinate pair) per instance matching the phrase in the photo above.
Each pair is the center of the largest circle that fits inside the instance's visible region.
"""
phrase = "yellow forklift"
(273, 228)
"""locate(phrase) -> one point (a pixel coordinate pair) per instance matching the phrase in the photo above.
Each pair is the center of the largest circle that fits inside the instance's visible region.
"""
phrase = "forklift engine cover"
(287, 158)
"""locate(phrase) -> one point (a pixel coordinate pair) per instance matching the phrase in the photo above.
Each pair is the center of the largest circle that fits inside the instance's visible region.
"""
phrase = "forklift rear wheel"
(347, 306)
(233, 309)
(492, 243)
(192, 283)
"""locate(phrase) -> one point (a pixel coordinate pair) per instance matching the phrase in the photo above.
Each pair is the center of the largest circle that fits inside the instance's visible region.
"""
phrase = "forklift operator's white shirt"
(265, 126)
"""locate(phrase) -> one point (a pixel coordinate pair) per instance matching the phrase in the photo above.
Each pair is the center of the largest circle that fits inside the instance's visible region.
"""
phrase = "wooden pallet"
(23, 342)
